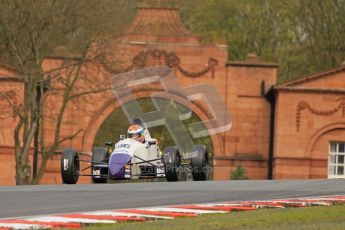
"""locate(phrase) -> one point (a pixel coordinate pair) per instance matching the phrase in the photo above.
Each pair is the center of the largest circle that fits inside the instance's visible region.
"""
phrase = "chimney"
(159, 21)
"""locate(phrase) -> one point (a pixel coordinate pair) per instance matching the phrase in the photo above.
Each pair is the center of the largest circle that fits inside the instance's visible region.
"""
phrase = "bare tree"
(29, 32)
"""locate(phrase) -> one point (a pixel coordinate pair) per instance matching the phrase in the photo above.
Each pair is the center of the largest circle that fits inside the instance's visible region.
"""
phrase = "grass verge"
(329, 217)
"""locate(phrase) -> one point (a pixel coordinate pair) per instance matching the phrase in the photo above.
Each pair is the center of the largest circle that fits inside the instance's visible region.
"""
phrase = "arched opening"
(327, 153)
(117, 123)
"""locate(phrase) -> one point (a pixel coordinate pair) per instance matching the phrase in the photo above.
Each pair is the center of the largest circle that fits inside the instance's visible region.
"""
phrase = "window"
(336, 160)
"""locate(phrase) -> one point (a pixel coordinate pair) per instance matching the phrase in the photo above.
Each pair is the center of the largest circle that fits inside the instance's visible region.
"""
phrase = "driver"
(136, 132)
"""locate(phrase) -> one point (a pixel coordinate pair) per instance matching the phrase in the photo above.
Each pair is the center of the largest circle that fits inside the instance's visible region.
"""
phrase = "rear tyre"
(172, 163)
(199, 162)
(99, 155)
(70, 166)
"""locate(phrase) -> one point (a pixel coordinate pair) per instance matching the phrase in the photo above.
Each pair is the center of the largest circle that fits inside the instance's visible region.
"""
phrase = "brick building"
(309, 130)
(295, 130)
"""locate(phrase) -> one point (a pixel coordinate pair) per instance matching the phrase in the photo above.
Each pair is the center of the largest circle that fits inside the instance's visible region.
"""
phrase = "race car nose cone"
(117, 163)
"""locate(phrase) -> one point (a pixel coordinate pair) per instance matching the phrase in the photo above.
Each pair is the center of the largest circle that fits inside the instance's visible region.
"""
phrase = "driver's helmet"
(136, 132)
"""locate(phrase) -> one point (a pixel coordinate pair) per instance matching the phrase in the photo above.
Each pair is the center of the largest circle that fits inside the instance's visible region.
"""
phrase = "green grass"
(329, 217)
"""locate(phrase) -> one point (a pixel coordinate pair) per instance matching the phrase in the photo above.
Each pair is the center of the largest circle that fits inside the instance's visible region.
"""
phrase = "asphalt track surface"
(19, 201)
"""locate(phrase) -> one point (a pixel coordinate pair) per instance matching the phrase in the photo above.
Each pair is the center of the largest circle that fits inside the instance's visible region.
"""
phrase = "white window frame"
(335, 164)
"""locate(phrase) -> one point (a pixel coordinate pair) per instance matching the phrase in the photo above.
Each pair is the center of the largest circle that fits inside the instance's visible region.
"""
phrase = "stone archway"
(317, 135)
(318, 148)
(112, 104)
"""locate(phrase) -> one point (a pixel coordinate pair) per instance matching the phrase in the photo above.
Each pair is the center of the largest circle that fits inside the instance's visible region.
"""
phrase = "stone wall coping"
(248, 64)
(308, 90)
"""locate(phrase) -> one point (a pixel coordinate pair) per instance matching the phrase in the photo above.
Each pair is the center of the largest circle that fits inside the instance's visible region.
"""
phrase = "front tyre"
(172, 163)
(70, 166)
(199, 162)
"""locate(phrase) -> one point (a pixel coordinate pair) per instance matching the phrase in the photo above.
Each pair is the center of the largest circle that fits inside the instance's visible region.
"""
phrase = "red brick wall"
(238, 84)
(305, 124)
(247, 143)
(7, 166)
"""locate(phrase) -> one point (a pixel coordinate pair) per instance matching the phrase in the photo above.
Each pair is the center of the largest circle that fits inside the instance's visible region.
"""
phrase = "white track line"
(218, 205)
(69, 220)
(181, 210)
(114, 213)
(23, 226)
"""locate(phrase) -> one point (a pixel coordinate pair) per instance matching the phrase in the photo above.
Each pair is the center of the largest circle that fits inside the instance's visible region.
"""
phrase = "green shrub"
(239, 173)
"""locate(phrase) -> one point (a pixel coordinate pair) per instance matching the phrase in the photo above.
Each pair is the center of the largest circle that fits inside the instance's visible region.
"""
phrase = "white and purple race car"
(130, 159)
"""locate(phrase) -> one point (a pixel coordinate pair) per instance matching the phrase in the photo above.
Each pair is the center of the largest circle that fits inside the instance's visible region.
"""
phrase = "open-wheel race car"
(133, 158)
